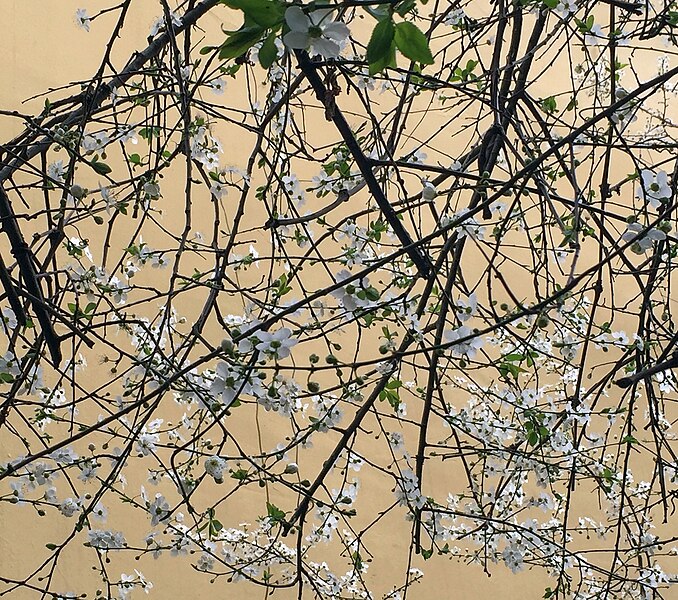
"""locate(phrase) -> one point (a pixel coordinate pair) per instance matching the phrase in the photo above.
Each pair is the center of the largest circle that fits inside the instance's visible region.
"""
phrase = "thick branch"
(421, 261)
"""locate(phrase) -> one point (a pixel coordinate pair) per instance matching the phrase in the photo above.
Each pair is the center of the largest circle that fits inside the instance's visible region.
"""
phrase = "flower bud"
(152, 189)
(428, 191)
(77, 191)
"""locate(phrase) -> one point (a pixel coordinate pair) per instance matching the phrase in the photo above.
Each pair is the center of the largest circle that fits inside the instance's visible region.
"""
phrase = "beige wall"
(41, 49)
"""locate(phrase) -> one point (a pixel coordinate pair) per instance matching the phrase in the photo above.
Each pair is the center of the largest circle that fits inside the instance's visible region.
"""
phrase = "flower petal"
(326, 48)
(296, 39)
(336, 31)
(296, 19)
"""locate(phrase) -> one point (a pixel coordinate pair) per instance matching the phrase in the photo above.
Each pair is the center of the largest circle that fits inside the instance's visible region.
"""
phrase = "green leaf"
(240, 474)
(404, 7)
(413, 43)
(6, 378)
(135, 159)
(148, 132)
(215, 527)
(268, 53)
(372, 294)
(274, 512)
(100, 167)
(381, 42)
(266, 13)
(240, 42)
(549, 105)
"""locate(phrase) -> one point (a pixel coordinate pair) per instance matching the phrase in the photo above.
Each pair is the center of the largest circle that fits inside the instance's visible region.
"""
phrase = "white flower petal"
(296, 19)
(326, 48)
(336, 31)
(318, 16)
(296, 39)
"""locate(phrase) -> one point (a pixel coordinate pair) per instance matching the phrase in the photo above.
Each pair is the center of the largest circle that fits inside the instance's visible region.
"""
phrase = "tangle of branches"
(294, 274)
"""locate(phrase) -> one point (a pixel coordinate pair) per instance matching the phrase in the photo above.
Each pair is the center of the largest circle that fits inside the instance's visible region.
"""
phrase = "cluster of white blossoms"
(356, 296)
(215, 467)
(407, 490)
(276, 345)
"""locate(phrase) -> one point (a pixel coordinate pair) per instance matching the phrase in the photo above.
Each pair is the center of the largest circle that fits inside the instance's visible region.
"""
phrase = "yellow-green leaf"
(413, 43)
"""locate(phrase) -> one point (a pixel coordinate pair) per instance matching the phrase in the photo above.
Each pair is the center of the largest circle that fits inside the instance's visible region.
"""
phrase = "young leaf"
(240, 42)
(380, 42)
(413, 43)
(266, 13)
(268, 53)
(275, 513)
(388, 60)
(100, 167)
(404, 7)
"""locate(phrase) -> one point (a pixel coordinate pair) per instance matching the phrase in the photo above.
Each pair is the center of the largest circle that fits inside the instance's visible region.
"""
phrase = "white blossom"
(468, 347)
(214, 467)
(218, 86)
(69, 507)
(315, 31)
(83, 19)
(158, 509)
(106, 540)
(428, 191)
(654, 187)
(642, 242)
